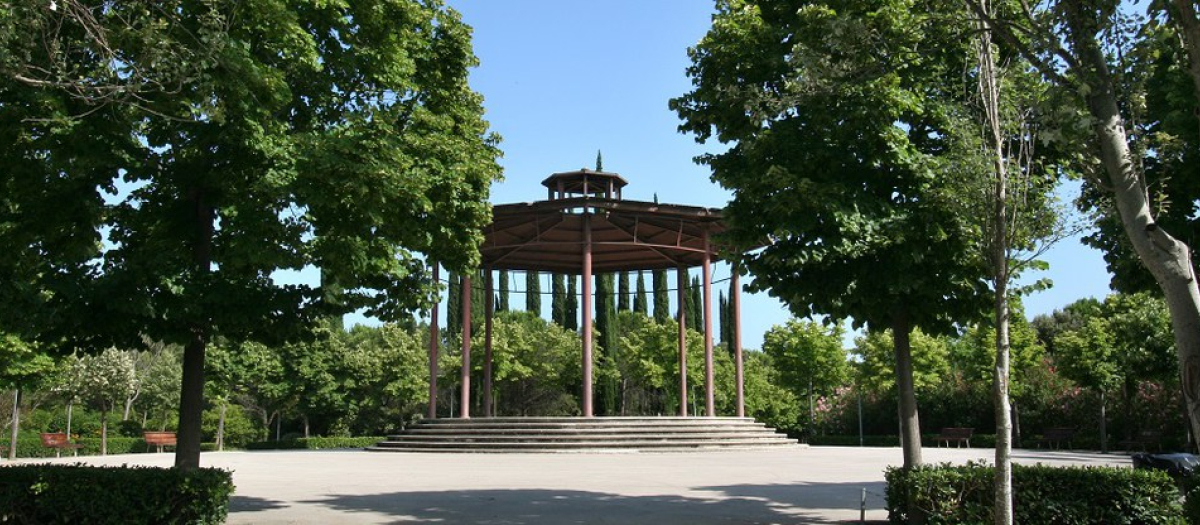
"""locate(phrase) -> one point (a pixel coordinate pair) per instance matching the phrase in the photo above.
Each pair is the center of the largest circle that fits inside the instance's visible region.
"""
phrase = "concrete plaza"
(793, 485)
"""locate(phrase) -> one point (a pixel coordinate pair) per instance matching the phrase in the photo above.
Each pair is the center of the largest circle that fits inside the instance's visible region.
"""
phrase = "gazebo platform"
(583, 434)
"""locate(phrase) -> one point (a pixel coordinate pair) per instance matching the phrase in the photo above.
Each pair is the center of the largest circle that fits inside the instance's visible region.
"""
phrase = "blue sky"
(564, 79)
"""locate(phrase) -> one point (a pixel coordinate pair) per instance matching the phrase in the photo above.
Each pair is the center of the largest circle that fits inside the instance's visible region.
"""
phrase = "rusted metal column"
(489, 311)
(587, 314)
(710, 409)
(735, 299)
(464, 402)
(681, 273)
(433, 350)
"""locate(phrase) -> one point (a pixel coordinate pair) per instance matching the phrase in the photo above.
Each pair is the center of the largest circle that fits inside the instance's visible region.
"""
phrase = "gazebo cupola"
(584, 183)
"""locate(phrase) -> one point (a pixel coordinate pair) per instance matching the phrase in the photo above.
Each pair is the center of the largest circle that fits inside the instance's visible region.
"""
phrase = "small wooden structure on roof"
(583, 228)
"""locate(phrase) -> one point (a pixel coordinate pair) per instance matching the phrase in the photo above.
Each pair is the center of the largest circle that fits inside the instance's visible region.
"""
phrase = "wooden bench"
(159, 439)
(1056, 436)
(59, 442)
(957, 435)
(1144, 440)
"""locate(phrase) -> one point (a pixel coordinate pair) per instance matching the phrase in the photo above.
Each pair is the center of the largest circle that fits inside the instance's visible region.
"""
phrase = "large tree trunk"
(16, 424)
(910, 425)
(1167, 259)
(191, 396)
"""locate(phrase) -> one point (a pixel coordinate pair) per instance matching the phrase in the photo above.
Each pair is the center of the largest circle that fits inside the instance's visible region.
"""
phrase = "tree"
(558, 300)
(572, 319)
(662, 304)
(271, 148)
(623, 291)
(607, 335)
(453, 304)
(834, 113)
(640, 304)
(1126, 341)
(107, 378)
(1065, 41)
(535, 363)
(809, 359)
(502, 302)
(533, 292)
(21, 367)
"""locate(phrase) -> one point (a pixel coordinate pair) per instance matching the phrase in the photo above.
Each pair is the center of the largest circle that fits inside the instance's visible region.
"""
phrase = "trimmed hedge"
(86, 494)
(316, 443)
(31, 447)
(963, 494)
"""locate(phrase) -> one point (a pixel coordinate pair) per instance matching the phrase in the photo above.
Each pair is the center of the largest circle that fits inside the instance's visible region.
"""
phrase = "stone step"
(575, 445)
(502, 429)
(508, 438)
(553, 434)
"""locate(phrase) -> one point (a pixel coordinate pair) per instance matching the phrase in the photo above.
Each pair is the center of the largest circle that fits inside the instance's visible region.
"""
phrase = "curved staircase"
(567, 434)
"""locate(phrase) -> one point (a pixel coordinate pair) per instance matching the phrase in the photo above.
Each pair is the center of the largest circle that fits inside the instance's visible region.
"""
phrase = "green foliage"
(948, 494)
(662, 303)
(766, 400)
(806, 354)
(535, 365)
(830, 110)
(640, 304)
(21, 364)
(533, 292)
(317, 443)
(240, 428)
(572, 316)
(85, 494)
(558, 299)
(623, 292)
(502, 305)
(877, 361)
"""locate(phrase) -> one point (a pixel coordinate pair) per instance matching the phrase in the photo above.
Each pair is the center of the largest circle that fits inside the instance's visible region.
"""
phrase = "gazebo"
(584, 227)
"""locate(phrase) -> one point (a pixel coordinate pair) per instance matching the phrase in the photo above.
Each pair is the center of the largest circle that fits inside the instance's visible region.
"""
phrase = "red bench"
(158, 439)
(59, 441)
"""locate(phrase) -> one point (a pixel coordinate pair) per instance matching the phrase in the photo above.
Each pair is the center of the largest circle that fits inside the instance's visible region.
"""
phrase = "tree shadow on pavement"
(736, 504)
(252, 504)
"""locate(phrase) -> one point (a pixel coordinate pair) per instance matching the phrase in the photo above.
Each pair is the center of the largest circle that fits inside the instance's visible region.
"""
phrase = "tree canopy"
(247, 139)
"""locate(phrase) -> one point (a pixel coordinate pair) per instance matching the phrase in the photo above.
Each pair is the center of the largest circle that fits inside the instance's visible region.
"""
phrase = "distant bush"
(85, 494)
(963, 494)
(316, 443)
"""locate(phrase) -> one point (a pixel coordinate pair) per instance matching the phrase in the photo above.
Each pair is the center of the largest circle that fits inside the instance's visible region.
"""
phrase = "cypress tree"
(639, 300)
(533, 293)
(662, 303)
(453, 304)
(502, 301)
(623, 291)
(688, 307)
(723, 320)
(571, 321)
(606, 335)
(558, 300)
(477, 303)
(695, 304)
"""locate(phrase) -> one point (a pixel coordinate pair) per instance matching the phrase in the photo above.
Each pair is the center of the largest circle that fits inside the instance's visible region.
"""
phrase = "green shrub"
(240, 429)
(949, 494)
(85, 494)
(316, 443)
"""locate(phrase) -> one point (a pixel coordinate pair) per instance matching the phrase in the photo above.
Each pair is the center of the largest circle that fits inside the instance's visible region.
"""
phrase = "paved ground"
(797, 485)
